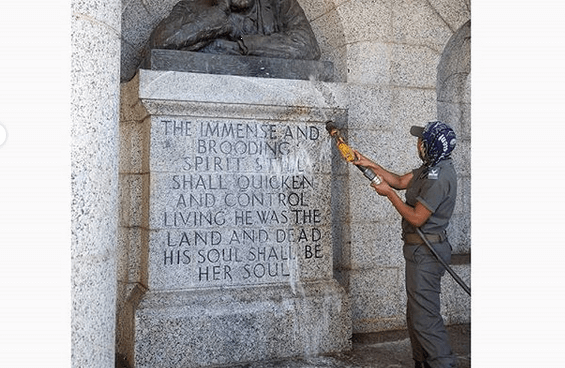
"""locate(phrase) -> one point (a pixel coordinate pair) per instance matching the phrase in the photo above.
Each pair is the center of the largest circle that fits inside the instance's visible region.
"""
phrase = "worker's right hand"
(362, 160)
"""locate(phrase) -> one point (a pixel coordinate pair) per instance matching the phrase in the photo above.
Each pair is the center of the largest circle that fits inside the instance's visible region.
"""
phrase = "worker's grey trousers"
(428, 336)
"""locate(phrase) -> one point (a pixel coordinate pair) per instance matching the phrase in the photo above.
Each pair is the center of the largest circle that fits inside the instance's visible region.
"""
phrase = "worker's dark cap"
(417, 131)
(438, 139)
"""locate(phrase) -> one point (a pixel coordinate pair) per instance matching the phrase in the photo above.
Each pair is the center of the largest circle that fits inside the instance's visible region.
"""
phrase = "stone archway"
(454, 77)
(454, 107)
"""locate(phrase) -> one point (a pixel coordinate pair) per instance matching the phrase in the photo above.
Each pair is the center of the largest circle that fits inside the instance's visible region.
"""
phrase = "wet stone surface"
(379, 350)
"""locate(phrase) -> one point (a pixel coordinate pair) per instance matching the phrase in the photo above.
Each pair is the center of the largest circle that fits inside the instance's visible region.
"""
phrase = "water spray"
(348, 154)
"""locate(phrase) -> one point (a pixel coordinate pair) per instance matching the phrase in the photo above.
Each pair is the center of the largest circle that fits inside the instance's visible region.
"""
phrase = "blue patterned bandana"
(439, 140)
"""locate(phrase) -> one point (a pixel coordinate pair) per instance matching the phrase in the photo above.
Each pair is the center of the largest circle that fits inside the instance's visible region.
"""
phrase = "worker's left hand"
(383, 188)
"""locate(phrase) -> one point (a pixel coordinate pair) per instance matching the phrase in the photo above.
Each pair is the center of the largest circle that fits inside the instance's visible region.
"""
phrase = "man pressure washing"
(431, 190)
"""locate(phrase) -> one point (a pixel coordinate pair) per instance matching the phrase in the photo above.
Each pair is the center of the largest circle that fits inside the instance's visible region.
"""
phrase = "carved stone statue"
(269, 28)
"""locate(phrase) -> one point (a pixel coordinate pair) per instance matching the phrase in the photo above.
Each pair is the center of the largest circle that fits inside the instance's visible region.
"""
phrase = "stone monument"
(228, 180)
(234, 256)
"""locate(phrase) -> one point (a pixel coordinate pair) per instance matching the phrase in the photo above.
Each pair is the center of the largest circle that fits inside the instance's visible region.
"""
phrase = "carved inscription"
(241, 201)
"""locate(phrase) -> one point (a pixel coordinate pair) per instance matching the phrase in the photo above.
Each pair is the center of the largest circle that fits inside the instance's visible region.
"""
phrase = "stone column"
(94, 173)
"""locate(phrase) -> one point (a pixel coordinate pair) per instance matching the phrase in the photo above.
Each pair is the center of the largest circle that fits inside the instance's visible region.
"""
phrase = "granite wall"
(393, 51)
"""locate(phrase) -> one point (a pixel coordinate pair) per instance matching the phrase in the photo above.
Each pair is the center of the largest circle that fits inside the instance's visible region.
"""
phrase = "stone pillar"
(94, 174)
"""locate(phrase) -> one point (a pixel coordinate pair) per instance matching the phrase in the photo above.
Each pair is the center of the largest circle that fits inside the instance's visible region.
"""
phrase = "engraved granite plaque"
(238, 202)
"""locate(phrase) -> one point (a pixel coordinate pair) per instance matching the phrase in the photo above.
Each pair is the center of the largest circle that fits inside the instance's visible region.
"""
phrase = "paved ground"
(379, 350)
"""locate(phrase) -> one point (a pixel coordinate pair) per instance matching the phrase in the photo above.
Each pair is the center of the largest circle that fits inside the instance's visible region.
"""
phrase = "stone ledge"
(297, 96)
(461, 259)
(247, 66)
(462, 331)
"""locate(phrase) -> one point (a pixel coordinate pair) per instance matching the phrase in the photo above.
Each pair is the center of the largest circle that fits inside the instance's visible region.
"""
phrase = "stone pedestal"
(248, 66)
(235, 242)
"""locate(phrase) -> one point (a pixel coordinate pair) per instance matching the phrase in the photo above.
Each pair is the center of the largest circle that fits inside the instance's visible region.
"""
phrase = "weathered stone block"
(376, 295)
(223, 326)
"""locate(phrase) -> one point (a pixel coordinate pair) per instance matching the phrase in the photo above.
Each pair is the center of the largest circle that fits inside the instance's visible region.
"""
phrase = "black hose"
(451, 272)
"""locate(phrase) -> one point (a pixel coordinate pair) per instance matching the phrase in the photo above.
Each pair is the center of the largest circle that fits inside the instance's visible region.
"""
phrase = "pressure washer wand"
(348, 154)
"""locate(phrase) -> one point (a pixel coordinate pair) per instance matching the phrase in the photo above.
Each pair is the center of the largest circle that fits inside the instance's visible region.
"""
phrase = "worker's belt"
(414, 238)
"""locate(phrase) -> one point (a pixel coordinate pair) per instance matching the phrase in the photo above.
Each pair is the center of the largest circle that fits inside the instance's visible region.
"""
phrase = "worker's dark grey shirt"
(436, 189)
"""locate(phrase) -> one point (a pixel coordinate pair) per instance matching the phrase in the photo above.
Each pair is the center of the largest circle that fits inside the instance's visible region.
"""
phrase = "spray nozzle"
(343, 148)
(347, 152)
(330, 127)
(333, 131)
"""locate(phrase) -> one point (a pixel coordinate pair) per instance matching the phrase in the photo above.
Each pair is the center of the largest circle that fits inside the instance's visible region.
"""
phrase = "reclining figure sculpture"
(269, 28)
